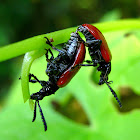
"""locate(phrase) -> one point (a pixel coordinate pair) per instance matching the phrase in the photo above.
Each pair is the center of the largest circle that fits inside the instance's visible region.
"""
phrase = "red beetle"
(59, 70)
(99, 53)
(98, 50)
(106, 54)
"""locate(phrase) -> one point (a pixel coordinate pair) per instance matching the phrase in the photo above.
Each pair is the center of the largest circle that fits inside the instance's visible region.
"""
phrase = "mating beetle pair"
(63, 68)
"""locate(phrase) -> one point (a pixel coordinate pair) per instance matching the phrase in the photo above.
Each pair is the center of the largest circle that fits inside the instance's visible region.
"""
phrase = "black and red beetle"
(59, 69)
(99, 53)
(98, 50)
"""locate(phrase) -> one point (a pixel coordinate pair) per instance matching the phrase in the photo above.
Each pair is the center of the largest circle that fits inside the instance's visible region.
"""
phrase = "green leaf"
(125, 62)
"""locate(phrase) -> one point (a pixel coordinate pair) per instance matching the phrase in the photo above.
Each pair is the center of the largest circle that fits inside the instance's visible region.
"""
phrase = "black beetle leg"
(88, 61)
(50, 44)
(47, 56)
(42, 83)
(79, 65)
(33, 81)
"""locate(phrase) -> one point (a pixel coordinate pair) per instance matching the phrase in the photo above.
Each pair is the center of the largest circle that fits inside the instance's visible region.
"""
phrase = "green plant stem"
(37, 42)
(27, 62)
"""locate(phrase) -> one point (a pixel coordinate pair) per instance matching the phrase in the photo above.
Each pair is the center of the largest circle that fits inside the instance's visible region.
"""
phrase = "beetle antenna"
(34, 116)
(42, 116)
(115, 95)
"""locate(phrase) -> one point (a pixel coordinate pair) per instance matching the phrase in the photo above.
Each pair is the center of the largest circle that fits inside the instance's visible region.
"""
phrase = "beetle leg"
(30, 80)
(85, 64)
(88, 61)
(50, 44)
(109, 82)
(42, 83)
(47, 56)
(52, 57)
(33, 81)
(81, 65)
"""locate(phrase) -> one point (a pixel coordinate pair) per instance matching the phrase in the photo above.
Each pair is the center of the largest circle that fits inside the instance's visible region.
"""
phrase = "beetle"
(99, 53)
(98, 50)
(59, 70)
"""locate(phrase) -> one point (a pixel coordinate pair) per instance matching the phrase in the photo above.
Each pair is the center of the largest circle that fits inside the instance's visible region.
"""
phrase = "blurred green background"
(82, 110)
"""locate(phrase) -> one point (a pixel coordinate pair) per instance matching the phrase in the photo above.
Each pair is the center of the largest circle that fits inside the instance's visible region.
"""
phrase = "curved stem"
(27, 62)
(37, 42)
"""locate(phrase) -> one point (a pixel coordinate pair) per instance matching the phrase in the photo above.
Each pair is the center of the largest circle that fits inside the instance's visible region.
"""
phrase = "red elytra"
(106, 54)
(66, 77)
